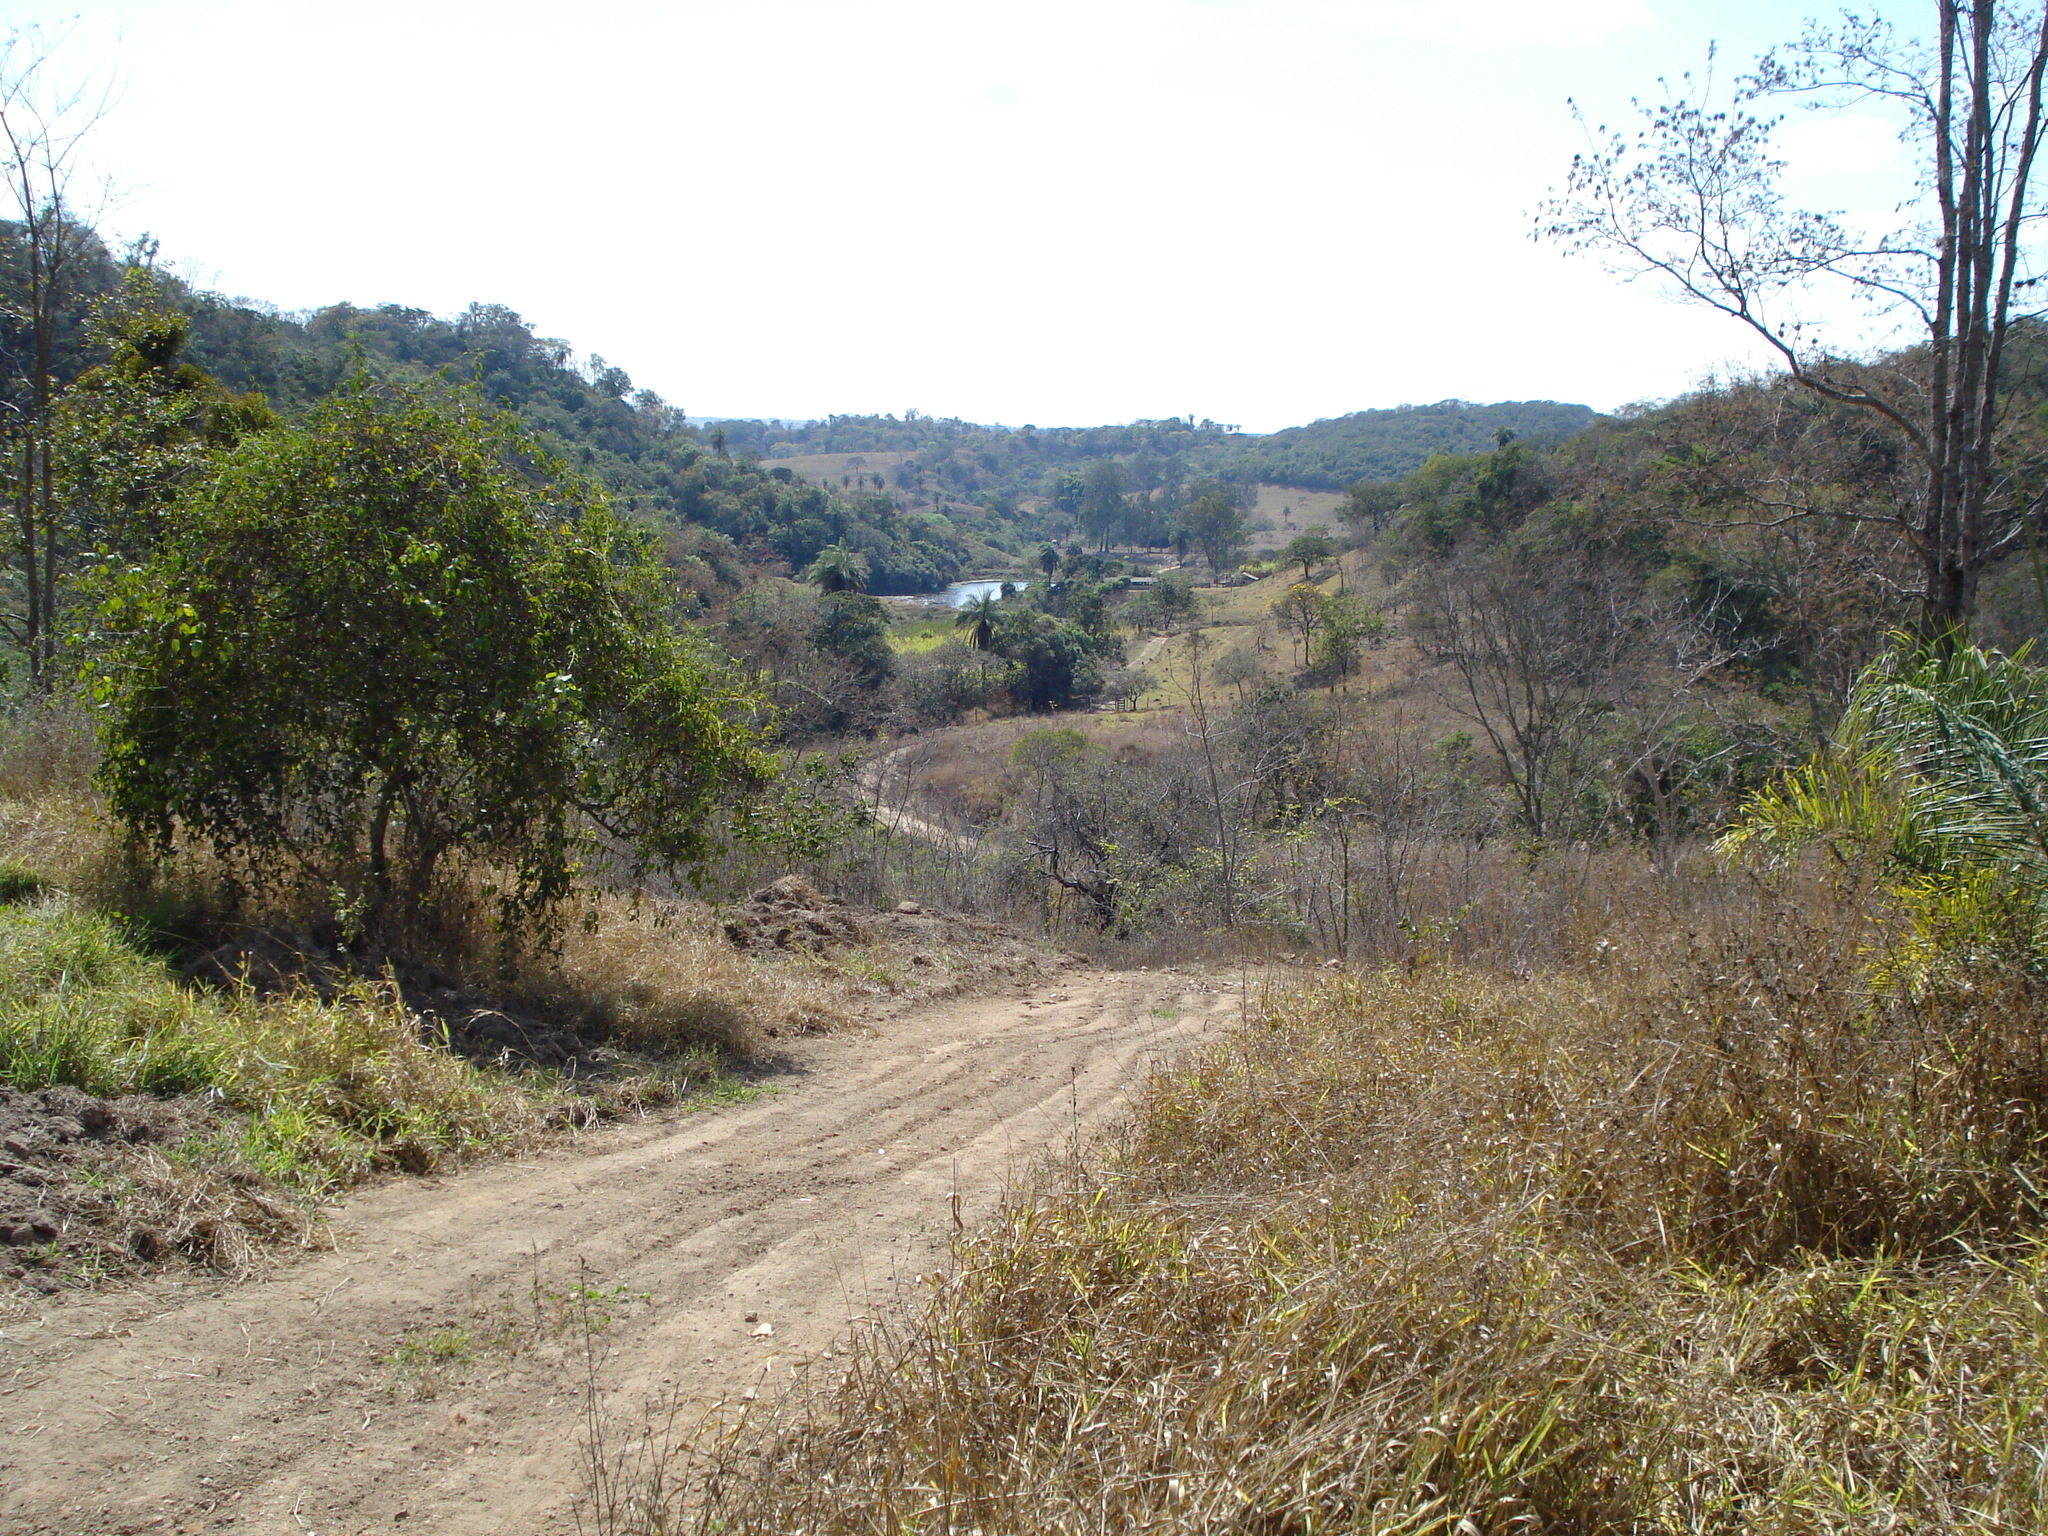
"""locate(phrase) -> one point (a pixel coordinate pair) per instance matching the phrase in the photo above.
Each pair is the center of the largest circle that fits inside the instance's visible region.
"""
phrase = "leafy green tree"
(1214, 519)
(1369, 504)
(855, 628)
(1174, 599)
(1345, 625)
(1300, 612)
(396, 632)
(1052, 663)
(1126, 685)
(1308, 550)
(1088, 606)
(136, 429)
(1105, 486)
(1065, 488)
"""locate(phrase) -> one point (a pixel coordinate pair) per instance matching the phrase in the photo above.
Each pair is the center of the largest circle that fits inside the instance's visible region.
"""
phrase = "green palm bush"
(1940, 769)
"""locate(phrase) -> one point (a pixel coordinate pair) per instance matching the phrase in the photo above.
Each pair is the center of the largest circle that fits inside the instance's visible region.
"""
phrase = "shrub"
(398, 631)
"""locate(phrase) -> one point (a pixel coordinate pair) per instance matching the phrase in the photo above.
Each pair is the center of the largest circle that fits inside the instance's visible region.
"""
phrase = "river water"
(961, 593)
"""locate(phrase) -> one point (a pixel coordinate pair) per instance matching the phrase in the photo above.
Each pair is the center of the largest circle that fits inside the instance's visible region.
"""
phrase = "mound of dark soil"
(77, 1181)
(792, 914)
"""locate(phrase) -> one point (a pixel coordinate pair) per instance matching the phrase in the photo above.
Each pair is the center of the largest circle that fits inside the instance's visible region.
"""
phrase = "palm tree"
(1940, 763)
(978, 616)
(838, 569)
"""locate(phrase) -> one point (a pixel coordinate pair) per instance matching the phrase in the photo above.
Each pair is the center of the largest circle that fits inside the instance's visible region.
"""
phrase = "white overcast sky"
(1064, 211)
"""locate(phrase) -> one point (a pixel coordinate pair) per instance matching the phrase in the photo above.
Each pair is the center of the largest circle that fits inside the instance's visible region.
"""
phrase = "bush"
(399, 631)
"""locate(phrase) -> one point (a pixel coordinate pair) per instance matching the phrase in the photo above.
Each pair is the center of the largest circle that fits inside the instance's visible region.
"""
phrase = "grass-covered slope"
(1703, 1237)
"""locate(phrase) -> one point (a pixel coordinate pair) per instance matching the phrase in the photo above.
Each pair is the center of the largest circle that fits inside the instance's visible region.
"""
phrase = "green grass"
(19, 883)
(320, 1095)
(81, 1005)
(924, 635)
(429, 1351)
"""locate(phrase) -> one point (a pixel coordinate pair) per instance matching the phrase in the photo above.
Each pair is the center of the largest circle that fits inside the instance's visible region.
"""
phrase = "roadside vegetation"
(1706, 1234)
(1729, 1218)
(1641, 823)
(153, 1117)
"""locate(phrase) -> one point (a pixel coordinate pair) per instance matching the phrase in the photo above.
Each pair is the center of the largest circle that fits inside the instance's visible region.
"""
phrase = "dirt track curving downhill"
(274, 1407)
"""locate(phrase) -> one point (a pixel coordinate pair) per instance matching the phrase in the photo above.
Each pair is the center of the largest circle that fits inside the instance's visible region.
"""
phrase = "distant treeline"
(1385, 445)
(721, 512)
(641, 448)
(952, 498)
(1002, 465)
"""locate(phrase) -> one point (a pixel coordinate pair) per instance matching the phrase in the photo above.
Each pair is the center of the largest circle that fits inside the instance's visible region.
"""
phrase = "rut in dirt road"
(722, 1251)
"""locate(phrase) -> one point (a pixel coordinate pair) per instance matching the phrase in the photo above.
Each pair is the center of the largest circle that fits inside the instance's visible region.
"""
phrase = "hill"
(925, 499)
(684, 480)
(1004, 466)
(1385, 445)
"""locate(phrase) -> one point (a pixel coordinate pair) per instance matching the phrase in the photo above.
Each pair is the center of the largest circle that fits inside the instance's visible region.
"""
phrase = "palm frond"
(1940, 766)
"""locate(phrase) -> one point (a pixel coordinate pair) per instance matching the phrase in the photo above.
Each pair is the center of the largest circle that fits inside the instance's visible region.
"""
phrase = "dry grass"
(659, 977)
(966, 770)
(1710, 1237)
(1280, 504)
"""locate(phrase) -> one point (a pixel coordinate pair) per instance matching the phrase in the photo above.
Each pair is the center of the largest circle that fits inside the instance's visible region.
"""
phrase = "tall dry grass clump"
(658, 976)
(1713, 1236)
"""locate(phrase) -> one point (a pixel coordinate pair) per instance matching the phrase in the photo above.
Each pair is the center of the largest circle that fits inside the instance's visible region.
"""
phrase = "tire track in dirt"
(271, 1406)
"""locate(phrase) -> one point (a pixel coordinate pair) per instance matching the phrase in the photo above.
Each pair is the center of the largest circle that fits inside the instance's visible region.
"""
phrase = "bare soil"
(65, 1157)
(428, 1373)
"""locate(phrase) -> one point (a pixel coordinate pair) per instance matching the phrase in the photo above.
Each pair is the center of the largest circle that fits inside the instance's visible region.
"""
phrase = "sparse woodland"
(1640, 824)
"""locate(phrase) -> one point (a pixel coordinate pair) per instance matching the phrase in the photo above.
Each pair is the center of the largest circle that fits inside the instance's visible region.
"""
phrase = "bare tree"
(1695, 197)
(43, 126)
(1681, 732)
(1203, 734)
(1538, 648)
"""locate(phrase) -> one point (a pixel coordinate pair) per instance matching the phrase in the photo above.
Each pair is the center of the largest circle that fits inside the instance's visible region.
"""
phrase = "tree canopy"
(398, 630)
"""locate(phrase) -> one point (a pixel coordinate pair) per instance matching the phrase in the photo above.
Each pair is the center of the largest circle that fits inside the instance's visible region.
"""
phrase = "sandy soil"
(275, 1406)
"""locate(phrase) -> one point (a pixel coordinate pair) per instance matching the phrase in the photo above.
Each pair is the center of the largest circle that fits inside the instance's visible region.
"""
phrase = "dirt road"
(273, 1406)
